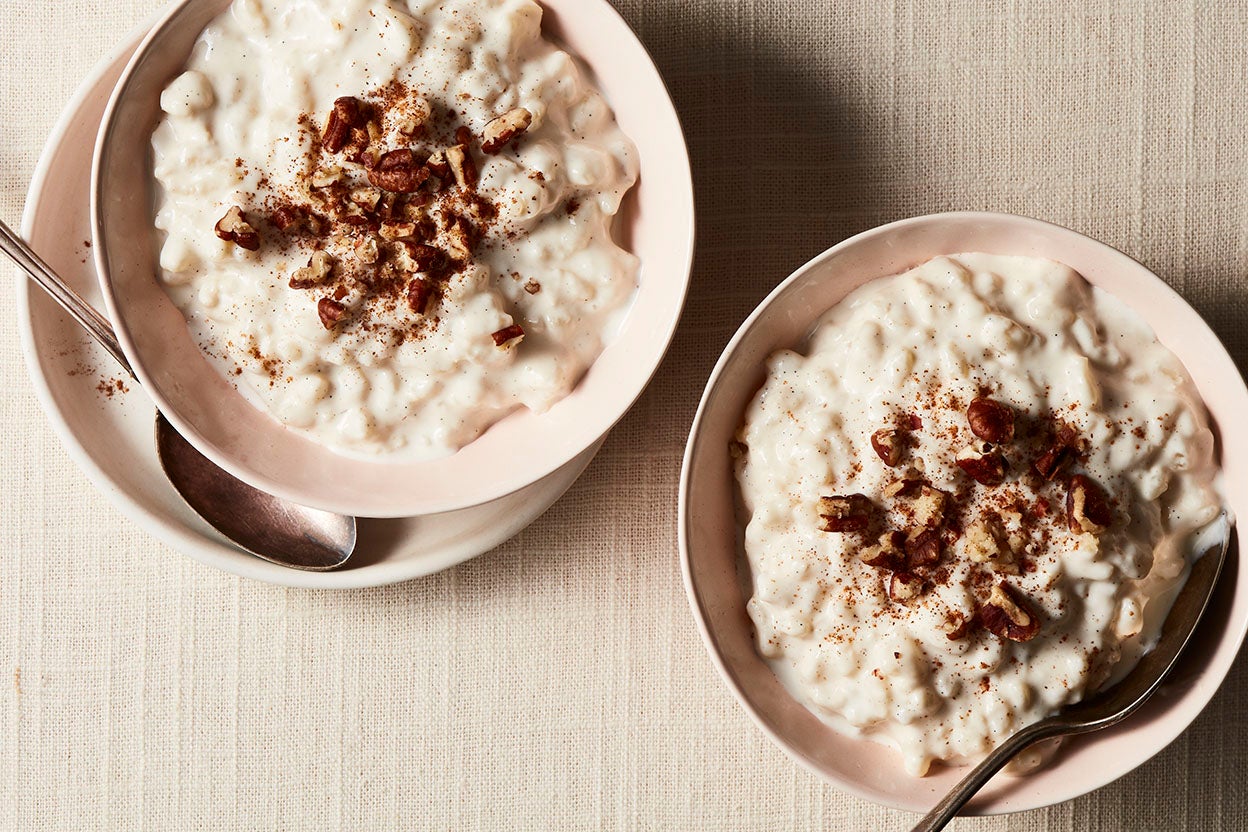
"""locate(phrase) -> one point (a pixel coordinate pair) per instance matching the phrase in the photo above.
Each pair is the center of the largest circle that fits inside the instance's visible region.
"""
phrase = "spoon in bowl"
(1112, 705)
(259, 523)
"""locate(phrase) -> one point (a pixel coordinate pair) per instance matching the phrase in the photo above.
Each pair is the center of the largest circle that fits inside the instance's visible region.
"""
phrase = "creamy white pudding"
(390, 224)
(970, 501)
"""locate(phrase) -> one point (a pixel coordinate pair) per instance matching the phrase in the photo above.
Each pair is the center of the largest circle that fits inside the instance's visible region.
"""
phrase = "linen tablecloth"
(559, 682)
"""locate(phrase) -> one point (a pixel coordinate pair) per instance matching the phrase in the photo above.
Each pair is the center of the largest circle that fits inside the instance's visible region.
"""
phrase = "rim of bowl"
(164, 528)
(729, 678)
(498, 488)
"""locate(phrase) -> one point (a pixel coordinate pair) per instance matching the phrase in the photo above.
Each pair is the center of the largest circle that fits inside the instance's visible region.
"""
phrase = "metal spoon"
(257, 522)
(1108, 707)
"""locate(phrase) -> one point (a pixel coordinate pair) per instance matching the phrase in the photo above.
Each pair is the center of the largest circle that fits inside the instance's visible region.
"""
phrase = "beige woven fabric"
(559, 682)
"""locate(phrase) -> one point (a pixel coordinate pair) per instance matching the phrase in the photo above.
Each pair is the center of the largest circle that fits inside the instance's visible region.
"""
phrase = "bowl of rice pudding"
(943, 482)
(392, 259)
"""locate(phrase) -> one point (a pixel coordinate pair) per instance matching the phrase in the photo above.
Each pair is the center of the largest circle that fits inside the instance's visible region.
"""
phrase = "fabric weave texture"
(559, 682)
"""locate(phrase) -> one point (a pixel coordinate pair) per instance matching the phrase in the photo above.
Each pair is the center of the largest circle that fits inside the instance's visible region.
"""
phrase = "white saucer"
(110, 436)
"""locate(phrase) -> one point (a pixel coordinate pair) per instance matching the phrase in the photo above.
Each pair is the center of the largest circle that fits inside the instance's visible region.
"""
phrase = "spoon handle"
(96, 325)
(944, 811)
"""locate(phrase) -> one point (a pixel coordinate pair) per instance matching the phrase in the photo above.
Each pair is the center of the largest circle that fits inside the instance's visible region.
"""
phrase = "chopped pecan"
(234, 228)
(318, 270)
(359, 149)
(419, 257)
(459, 240)
(366, 198)
(1006, 615)
(331, 312)
(887, 444)
(366, 250)
(987, 542)
(345, 115)
(418, 293)
(955, 626)
(324, 177)
(287, 217)
(991, 420)
(463, 135)
(398, 172)
(929, 506)
(1087, 507)
(984, 465)
(505, 129)
(438, 165)
(462, 166)
(904, 587)
(1062, 450)
(508, 336)
(924, 546)
(887, 553)
(847, 513)
(396, 230)
(908, 483)
(532, 287)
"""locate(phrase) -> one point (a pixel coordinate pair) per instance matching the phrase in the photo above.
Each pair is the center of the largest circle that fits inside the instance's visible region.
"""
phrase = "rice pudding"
(969, 503)
(390, 224)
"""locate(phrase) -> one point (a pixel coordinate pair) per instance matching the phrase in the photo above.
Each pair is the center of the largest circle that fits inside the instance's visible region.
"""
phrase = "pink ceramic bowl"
(709, 533)
(657, 222)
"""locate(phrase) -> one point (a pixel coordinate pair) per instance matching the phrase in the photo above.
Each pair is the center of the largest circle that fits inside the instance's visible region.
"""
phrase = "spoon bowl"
(261, 524)
(268, 527)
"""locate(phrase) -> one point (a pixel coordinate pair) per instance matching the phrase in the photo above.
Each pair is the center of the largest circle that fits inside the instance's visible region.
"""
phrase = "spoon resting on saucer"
(259, 523)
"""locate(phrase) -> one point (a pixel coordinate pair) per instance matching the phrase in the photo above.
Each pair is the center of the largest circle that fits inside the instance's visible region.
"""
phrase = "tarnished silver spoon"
(1112, 705)
(257, 522)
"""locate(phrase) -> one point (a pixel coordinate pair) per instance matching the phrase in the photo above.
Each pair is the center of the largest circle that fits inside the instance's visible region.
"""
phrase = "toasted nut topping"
(1008, 616)
(418, 293)
(923, 547)
(532, 287)
(345, 116)
(929, 506)
(503, 130)
(315, 273)
(907, 484)
(398, 172)
(850, 513)
(986, 542)
(366, 250)
(462, 166)
(287, 217)
(991, 420)
(955, 626)
(463, 135)
(374, 132)
(438, 165)
(234, 228)
(396, 230)
(887, 553)
(887, 444)
(324, 177)
(508, 336)
(904, 587)
(983, 466)
(418, 257)
(366, 198)
(358, 149)
(458, 241)
(1087, 507)
(1060, 453)
(331, 312)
